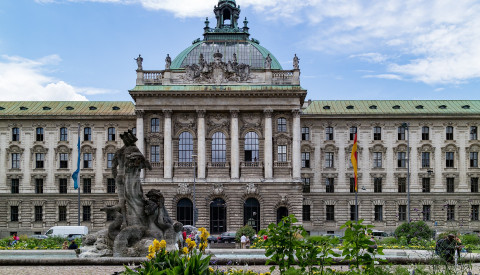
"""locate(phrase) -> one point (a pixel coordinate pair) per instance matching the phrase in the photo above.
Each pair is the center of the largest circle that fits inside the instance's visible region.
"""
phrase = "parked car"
(72, 237)
(40, 237)
(227, 237)
(64, 231)
(212, 239)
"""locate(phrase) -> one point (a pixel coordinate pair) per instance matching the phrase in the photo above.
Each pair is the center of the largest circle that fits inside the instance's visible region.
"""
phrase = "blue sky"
(348, 49)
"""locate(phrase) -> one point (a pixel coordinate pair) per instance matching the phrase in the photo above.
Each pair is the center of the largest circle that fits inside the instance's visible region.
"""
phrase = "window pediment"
(14, 149)
(450, 148)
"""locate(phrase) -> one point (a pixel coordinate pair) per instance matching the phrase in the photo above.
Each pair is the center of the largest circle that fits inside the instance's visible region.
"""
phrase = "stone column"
(235, 151)
(296, 160)
(140, 136)
(268, 144)
(167, 145)
(201, 144)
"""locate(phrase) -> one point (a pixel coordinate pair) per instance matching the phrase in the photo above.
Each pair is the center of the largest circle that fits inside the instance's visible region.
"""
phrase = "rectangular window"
(39, 134)
(353, 131)
(473, 133)
(281, 124)
(449, 158)
(450, 185)
(111, 134)
(377, 133)
(474, 212)
(110, 159)
(401, 133)
(449, 133)
(426, 212)
(86, 213)
(15, 134)
(329, 160)
(14, 213)
(38, 213)
(402, 159)
(425, 159)
(63, 160)
(474, 185)
(329, 133)
(87, 134)
(378, 212)
(377, 159)
(330, 185)
(306, 185)
(39, 160)
(155, 125)
(352, 185)
(425, 185)
(305, 160)
(110, 185)
(282, 153)
(62, 186)
(87, 160)
(450, 212)
(425, 133)
(38, 186)
(402, 212)
(305, 133)
(15, 161)
(87, 186)
(352, 212)
(474, 159)
(15, 186)
(155, 153)
(63, 134)
(402, 185)
(330, 212)
(377, 185)
(306, 213)
(62, 213)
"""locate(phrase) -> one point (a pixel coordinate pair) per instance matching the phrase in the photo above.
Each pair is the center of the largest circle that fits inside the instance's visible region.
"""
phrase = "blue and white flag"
(75, 174)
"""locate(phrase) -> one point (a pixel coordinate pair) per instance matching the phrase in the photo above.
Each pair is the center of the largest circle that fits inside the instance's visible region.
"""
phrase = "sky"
(348, 49)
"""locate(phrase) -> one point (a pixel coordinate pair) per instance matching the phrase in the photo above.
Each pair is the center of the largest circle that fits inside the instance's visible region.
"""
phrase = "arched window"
(111, 134)
(251, 147)
(281, 124)
(185, 211)
(251, 213)
(218, 216)
(185, 147)
(63, 134)
(219, 147)
(281, 212)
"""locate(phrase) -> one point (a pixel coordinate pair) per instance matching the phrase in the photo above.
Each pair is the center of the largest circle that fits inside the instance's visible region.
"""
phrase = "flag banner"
(75, 174)
(354, 159)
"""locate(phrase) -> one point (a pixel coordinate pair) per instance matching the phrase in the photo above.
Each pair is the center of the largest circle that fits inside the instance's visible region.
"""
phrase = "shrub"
(418, 229)
(470, 239)
(247, 230)
(389, 241)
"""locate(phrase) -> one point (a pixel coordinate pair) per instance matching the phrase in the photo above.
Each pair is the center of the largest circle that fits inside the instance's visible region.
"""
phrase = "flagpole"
(78, 176)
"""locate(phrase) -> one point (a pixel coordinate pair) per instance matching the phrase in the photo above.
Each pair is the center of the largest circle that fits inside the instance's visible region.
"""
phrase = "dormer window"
(350, 107)
(463, 107)
(2, 108)
(396, 107)
(46, 108)
(92, 108)
(442, 107)
(115, 108)
(373, 107)
(23, 108)
(419, 106)
(69, 108)
(326, 107)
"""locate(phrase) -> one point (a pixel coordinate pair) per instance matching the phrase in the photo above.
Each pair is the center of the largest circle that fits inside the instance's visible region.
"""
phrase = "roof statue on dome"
(296, 60)
(168, 62)
(139, 62)
(268, 62)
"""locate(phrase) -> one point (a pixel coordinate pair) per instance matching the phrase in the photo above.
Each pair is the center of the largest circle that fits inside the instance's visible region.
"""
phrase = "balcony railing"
(184, 164)
(282, 164)
(218, 165)
(252, 164)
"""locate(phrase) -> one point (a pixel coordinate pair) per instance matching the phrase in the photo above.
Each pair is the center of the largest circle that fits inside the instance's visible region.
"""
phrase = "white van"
(65, 231)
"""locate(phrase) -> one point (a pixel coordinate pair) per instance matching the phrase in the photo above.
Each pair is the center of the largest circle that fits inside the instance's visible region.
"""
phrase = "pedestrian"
(15, 239)
(65, 245)
(243, 241)
(248, 242)
(184, 234)
(446, 248)
(73, 245)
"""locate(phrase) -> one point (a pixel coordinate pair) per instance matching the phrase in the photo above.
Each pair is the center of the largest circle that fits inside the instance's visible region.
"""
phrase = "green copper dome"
(228, 39)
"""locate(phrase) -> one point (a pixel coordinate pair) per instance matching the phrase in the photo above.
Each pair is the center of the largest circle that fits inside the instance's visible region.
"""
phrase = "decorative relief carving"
(167, 113)
(154, 138)
(62, 149)
(400, 148)
(251, 189)
(283, 139)
(139, 113)
(296, 113)
(234, 113)
(218, 189)
(218, 121)
(450, 148)
(183, 188)
(13, 125)
(185, 121)
(111, 124)
(268, 113)
(201, 113)
(251, 121)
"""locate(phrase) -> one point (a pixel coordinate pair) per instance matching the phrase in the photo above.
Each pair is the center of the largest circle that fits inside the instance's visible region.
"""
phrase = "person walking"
(73, 245)
(243, 240)
(15, 239)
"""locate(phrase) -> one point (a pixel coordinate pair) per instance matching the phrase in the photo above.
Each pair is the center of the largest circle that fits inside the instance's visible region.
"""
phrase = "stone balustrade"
(252, 164)
(282, 164)
(218, 165)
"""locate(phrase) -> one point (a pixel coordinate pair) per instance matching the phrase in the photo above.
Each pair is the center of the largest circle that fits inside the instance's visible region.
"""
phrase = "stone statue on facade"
(139, 60)
(296, 61)
(268, 62)
(168, 62)
(138, 219)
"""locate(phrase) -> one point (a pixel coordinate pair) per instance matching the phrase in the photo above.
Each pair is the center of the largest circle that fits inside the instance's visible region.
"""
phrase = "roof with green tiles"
(203, 88)
(67, 108)
(393, 107)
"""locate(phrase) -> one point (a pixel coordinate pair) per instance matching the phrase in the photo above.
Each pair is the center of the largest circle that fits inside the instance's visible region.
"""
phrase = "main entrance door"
(218, 216)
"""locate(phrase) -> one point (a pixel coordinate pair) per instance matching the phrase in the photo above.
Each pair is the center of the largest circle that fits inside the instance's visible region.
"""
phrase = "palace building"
(232, 141)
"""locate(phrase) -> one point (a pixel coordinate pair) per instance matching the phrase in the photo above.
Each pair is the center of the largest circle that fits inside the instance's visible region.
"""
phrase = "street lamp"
(194, 191)
(406, 125)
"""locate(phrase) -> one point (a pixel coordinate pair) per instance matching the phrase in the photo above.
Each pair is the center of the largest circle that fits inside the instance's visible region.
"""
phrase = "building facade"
(232, 142)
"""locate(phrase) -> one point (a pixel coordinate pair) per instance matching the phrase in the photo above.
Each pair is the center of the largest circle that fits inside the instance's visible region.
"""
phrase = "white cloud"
(371, 57)
(384, 76)
(26, 79)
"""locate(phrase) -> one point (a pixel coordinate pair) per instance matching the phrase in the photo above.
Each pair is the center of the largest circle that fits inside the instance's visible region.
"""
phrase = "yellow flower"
(211, 269)
(191, 244)
(156, 245)
(151, 249)
(163, 244)
(185, 250)
(150, 256)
